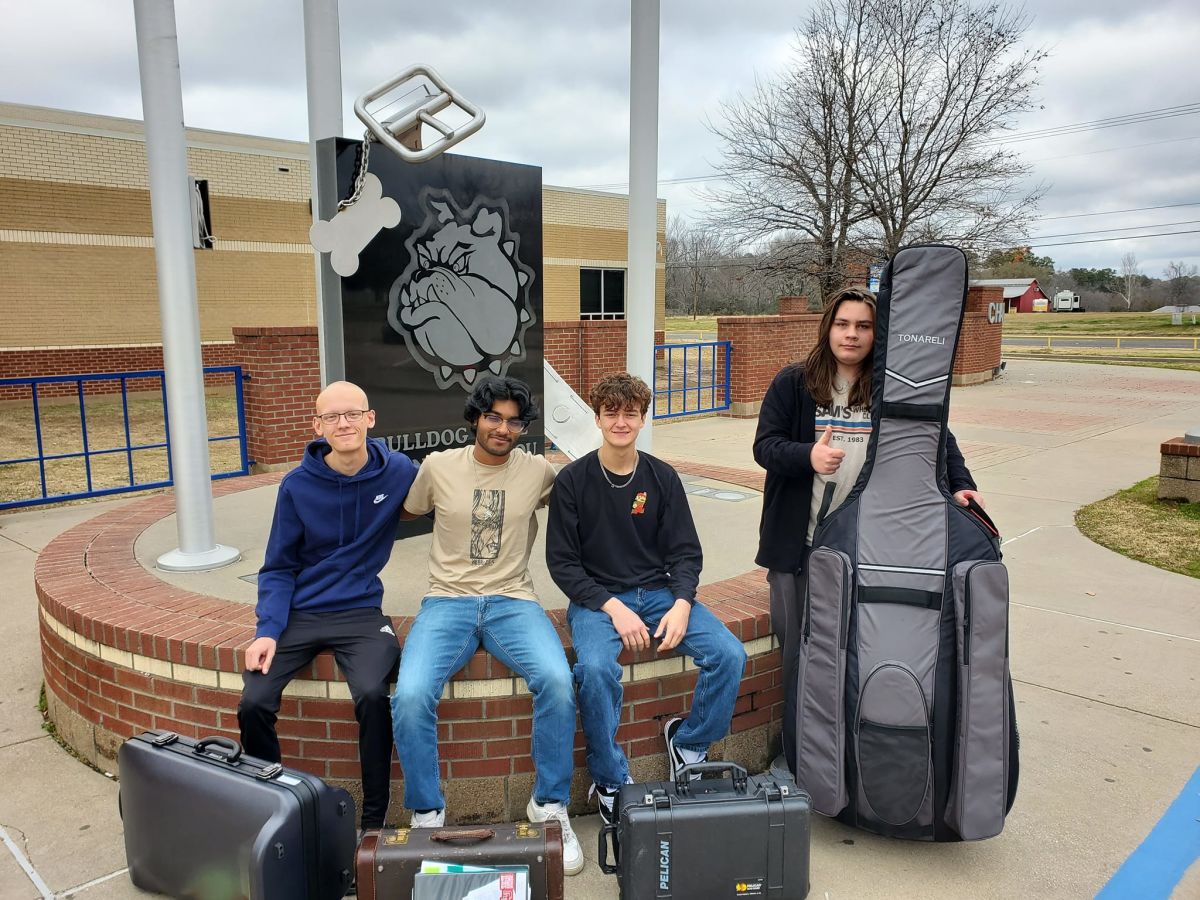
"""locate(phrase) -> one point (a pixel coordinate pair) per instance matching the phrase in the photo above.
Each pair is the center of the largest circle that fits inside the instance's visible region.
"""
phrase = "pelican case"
(738, 837)
(203, 820)
(389, 859)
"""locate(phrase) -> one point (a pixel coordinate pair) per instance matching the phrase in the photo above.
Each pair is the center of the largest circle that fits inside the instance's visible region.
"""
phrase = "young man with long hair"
(813, 431)
(480, 593)
(621, 544)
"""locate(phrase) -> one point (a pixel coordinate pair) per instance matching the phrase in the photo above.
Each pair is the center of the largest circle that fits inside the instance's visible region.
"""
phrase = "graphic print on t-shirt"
(487, 526)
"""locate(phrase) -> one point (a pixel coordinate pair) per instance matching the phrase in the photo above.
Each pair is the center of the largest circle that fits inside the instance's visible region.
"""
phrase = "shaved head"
(342, 394)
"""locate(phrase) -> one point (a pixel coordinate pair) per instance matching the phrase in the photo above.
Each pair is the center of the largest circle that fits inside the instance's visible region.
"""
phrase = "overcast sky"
(554, 81)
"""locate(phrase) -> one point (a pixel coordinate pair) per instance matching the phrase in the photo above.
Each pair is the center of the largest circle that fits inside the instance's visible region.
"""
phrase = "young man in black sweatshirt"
(621, 544)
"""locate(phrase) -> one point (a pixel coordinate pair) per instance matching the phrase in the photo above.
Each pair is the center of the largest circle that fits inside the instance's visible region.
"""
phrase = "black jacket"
(782, 446)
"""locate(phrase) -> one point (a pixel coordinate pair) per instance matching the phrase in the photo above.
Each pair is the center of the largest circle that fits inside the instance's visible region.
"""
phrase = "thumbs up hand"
(825, 457)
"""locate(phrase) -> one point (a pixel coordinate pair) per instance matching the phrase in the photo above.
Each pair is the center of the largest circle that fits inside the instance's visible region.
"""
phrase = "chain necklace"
(637, 458)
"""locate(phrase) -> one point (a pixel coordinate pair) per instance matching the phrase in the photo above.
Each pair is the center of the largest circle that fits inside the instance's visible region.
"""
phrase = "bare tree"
(1180, 278)
(789, 152)
(1129, 271)
(884, 131)
(695, 254)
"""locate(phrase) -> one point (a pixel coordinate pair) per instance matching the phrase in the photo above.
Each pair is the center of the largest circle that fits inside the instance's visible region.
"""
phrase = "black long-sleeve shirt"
(602, 540)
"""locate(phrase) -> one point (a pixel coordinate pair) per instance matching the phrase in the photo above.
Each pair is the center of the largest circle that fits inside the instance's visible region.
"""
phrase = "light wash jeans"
(711, 645)
(447, 631)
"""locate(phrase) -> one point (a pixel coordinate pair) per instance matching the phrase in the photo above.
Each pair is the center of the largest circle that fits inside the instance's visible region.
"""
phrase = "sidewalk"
(1105, 653)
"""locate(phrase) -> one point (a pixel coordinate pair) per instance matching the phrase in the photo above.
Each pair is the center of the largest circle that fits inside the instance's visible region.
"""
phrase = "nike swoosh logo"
(380, 498)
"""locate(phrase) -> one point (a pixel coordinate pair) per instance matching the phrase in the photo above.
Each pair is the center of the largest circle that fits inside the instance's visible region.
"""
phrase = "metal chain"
(364, 153)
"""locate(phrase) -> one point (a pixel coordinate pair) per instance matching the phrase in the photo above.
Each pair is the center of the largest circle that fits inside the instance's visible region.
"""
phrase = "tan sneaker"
(572, 852)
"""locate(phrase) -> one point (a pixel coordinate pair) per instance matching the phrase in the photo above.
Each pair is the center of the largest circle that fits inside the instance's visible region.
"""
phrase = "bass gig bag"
(905, 722)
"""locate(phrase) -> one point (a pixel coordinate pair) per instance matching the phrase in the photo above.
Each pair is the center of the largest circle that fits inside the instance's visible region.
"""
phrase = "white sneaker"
(572, 852)
(435, 819)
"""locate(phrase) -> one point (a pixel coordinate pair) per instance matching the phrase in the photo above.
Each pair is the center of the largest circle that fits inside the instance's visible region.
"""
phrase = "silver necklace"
(637, 458)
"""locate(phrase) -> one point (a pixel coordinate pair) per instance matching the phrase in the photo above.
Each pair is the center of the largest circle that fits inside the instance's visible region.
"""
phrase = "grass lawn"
(1135, 523)
(1115, 324)
(1099, 354)
(687, 323)
(62, 432)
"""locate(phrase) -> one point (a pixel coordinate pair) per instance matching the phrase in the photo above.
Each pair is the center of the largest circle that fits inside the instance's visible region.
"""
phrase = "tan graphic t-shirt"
(851, 433)
(484, 526)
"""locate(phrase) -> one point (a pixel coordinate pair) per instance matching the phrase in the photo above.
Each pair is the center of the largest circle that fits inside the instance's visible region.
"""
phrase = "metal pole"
(323, 76)
(170, 209)
(643, 195)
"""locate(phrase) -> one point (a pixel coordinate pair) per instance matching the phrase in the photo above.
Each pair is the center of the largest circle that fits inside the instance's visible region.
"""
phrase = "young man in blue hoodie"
(319, 588)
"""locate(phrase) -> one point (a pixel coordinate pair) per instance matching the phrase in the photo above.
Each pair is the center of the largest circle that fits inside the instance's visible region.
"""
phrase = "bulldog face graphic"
(462, 303)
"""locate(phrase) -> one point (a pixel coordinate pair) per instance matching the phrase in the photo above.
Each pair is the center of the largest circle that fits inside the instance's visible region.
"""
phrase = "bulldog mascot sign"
(446, 289)
(462, 304)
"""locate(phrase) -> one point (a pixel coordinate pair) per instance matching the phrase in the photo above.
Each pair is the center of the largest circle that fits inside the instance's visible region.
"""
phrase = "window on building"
(602, 293)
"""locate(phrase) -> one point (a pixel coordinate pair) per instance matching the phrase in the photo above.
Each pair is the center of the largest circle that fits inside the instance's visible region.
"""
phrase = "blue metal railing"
(691, 378)
(87, 453)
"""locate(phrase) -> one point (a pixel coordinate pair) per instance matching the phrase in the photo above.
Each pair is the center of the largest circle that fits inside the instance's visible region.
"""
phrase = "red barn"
(1020, 294)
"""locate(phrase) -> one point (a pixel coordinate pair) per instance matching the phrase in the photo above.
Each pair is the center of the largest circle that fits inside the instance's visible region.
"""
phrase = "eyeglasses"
(516, 426)
(351, 415)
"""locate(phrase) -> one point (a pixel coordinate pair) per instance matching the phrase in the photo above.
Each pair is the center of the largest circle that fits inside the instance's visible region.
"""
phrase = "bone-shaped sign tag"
(345, 235)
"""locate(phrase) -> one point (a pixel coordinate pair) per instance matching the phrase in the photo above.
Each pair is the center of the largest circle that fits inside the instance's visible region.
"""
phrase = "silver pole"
(643, 195)
(170, 209)
(323, 76)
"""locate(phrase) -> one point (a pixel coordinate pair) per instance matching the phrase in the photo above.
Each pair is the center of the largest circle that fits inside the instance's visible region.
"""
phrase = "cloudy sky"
(554, 81)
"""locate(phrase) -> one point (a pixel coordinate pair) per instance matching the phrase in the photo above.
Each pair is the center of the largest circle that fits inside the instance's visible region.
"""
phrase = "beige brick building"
(76, 245)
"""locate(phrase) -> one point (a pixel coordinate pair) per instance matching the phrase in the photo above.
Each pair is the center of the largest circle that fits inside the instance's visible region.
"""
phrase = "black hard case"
(388, 860)
(738, 837)
(202, 820)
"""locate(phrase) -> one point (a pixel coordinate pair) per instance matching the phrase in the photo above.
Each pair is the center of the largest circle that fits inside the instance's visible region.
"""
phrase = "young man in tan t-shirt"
(480, 593)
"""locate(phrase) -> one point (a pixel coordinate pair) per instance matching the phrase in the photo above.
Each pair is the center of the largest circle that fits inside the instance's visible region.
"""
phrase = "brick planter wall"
(762, 345)
(1179, 471)
(285, 376)
(123, 652)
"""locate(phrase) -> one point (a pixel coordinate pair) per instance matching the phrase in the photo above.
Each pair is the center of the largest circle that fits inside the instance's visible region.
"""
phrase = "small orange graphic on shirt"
(639, 504)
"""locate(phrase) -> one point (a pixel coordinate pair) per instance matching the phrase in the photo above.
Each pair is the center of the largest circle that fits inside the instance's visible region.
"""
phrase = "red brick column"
(284, 372)
(762, 345)
(978, 354)
(583, 351)
(793, 306)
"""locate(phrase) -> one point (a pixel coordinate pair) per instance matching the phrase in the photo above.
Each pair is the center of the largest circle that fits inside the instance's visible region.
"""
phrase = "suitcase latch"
(270, 771)
(167, 737)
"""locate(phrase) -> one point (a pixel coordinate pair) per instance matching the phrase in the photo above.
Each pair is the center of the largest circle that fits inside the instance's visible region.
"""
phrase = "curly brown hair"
(620, 390)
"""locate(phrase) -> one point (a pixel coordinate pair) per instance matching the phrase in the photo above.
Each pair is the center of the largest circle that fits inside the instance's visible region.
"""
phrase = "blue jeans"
(711, 645)
(446, 633)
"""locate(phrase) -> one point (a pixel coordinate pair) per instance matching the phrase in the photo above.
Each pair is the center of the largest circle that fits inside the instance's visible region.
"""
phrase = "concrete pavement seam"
(1140, 712)
(26, 865)
(80, 888)
(27, 740)
(1059, 612)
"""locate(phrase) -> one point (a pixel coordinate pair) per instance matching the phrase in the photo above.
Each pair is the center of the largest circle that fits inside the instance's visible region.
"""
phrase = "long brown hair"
(821, 365)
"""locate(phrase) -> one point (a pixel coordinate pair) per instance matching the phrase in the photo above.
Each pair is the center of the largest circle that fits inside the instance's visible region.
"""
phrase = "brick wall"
(39, 362)
(581, 352)
(793, 306)
(762, 345)
(1179, 471)
(283, 365)
(978, 353)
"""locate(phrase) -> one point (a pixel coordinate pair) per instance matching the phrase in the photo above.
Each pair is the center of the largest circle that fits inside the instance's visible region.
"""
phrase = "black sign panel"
(450, 295)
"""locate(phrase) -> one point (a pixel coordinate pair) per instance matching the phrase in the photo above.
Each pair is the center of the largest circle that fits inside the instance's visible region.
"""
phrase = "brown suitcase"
(389, 859)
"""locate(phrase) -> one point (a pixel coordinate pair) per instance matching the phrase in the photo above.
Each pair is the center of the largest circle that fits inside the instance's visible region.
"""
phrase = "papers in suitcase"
(739, 836)
(448, 881)
(204, 820)
(517, 861)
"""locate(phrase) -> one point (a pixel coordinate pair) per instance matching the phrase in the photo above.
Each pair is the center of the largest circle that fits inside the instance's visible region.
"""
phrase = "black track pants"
(367, 652)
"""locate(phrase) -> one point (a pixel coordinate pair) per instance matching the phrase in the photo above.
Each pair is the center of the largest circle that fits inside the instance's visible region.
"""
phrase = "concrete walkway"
(1105, 654)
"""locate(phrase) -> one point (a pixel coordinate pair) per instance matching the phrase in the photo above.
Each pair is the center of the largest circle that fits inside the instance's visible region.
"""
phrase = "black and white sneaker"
(607, 800)
(678, 757)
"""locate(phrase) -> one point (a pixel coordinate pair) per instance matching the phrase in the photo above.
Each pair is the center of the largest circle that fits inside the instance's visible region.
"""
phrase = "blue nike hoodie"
(331, 536)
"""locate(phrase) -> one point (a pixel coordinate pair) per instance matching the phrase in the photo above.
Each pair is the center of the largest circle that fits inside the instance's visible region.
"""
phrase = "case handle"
(739, 774)
(602, 855)
(233, 748)
(463, 834)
